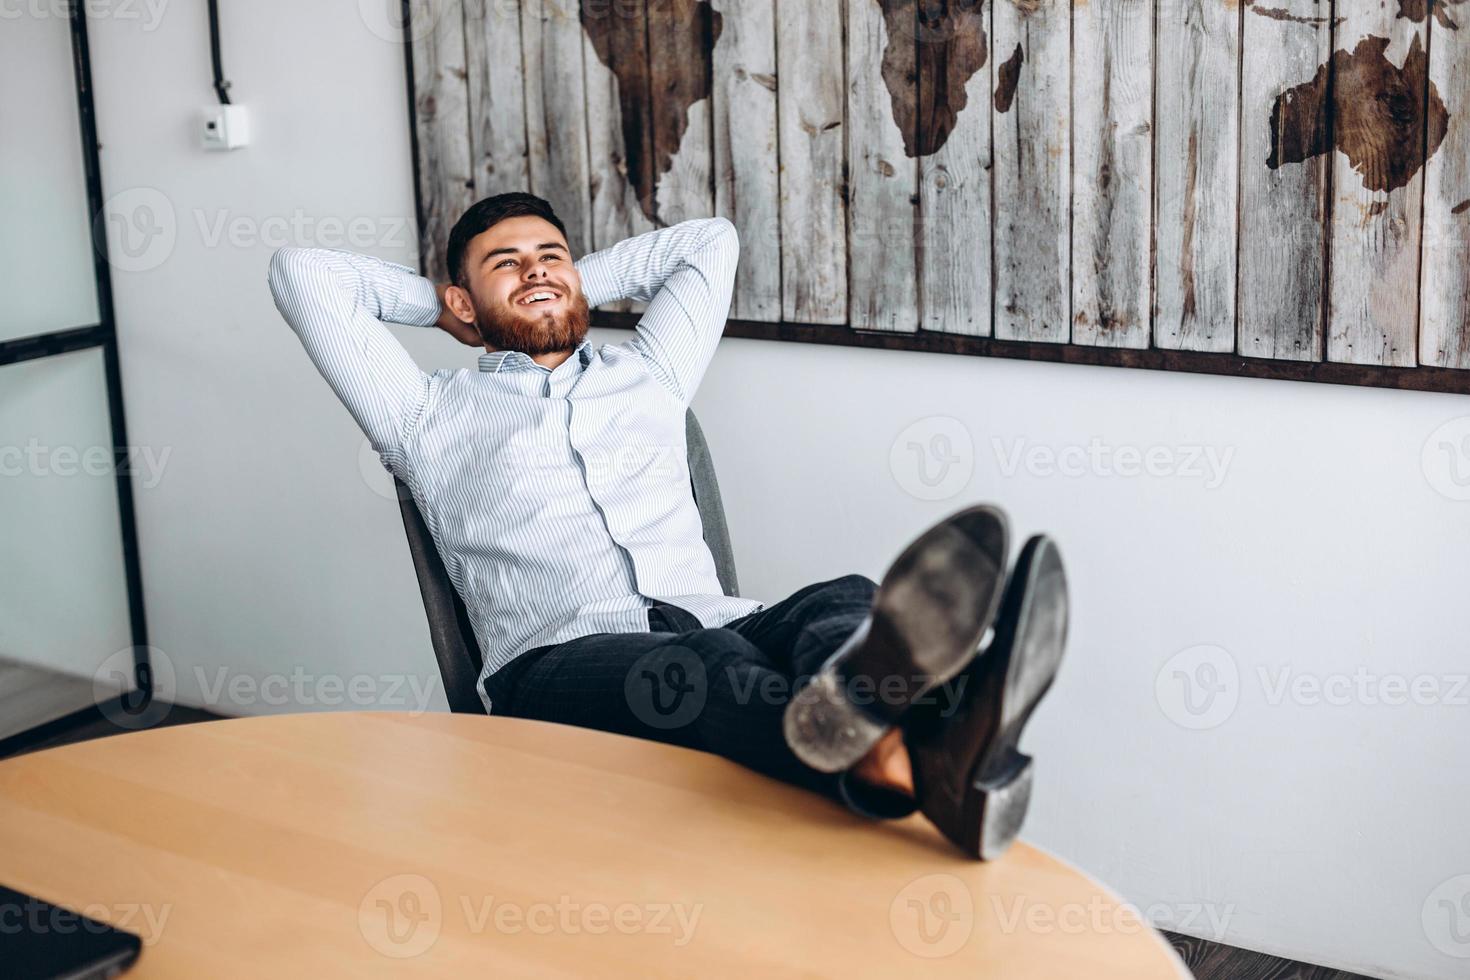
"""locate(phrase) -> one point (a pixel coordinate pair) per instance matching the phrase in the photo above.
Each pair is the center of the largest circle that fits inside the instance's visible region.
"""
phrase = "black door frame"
(102, 334)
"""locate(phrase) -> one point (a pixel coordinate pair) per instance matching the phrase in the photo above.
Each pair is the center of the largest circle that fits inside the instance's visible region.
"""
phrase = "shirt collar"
(496, 362)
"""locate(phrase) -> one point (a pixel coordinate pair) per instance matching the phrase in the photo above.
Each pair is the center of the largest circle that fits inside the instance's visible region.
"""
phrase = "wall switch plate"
(225, 127)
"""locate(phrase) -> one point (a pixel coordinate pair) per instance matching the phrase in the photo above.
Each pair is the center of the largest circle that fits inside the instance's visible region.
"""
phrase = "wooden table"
(335, 844)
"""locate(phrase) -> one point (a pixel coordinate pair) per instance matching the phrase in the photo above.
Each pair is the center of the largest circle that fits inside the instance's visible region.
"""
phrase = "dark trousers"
(721, 690)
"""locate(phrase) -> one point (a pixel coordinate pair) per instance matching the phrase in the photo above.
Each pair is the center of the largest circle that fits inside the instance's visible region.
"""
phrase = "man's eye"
(550, 257)
(503, 263)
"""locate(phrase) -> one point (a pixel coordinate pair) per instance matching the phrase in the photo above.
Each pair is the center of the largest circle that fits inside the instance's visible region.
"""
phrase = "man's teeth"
(537, 296)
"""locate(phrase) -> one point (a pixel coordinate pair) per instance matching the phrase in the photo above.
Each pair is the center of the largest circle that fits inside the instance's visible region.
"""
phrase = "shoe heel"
(1003, 800)
(824, 728)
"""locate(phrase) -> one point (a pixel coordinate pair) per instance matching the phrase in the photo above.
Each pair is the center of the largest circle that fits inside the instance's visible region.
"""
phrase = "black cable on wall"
(221, 87)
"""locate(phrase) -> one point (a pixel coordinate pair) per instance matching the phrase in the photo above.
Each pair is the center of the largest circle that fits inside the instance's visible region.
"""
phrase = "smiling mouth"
(539, 297)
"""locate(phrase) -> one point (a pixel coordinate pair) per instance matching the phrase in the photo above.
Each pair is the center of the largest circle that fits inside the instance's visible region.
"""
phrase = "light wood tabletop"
(354, 844)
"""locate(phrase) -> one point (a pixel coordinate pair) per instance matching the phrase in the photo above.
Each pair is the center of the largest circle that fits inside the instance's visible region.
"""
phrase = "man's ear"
(458, 301)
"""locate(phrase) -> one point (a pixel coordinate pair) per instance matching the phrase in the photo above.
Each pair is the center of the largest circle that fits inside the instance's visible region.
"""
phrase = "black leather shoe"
(969, 777)
(932, 609)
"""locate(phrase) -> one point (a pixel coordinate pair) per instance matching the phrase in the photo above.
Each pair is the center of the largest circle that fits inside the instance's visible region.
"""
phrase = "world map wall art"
(1269, 188)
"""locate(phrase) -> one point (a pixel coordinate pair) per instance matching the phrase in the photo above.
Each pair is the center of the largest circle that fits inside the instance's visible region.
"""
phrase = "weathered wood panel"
(619, 123)
(813, 213)
(497, 96)
(1283, 188)
(680, 36)
(1196, 186)
(1379, 69)
(1284, 180)
(1112, 119)
(1032, 163)
(882, 121)
(747, 178)
(1444, 330)
(954, 126)
(442, 123)
(556, 114)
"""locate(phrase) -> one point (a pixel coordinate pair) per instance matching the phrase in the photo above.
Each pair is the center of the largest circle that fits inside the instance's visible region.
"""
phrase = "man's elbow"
(727, 238)
(285, 267)
(728, 231)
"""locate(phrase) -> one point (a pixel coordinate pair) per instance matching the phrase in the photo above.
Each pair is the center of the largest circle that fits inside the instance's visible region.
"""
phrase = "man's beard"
(505, 328)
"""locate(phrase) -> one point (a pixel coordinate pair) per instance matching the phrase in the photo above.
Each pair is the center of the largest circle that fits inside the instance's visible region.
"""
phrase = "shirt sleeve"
(336, 303)
(686, 273)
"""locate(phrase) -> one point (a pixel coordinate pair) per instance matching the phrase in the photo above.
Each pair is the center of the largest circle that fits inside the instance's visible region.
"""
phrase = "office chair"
(455, 646)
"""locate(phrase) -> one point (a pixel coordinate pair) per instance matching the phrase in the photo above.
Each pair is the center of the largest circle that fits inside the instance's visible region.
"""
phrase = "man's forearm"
(384, 290)
(335, 302)
(636, 268)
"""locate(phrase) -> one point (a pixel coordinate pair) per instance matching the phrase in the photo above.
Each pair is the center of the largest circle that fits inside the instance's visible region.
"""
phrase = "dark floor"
(89, 724)
(1215, 961)
(1205, 959)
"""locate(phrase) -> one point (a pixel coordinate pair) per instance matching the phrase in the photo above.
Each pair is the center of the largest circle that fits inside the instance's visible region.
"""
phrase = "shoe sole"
(958, 564)
(1000, 785)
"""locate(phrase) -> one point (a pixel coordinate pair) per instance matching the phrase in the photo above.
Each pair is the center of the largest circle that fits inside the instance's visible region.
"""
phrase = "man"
(555, 482)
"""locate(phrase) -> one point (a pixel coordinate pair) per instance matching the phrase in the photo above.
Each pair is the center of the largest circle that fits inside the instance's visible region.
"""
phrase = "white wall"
(1316, 830)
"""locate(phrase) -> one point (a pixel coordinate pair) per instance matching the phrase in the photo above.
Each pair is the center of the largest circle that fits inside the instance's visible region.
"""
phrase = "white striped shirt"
(558, 499)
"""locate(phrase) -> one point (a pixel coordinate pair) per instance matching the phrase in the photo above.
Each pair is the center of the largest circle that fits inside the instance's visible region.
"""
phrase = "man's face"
(524, 291)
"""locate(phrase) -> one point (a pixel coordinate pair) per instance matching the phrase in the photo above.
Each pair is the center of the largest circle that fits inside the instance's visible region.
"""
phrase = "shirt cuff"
(418, 303)
(599, 283)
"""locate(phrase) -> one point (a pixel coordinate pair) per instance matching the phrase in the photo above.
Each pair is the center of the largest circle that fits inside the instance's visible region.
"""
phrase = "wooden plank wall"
(1285, 181)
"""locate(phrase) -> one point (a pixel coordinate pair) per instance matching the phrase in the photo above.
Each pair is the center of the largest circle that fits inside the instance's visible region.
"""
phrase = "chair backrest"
(455, 646)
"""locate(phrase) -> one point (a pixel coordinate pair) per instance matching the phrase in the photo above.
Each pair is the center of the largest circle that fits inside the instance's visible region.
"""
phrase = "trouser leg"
(720, 690)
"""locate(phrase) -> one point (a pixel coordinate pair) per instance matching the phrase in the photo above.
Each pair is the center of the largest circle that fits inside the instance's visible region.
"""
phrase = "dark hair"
(484, 214)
